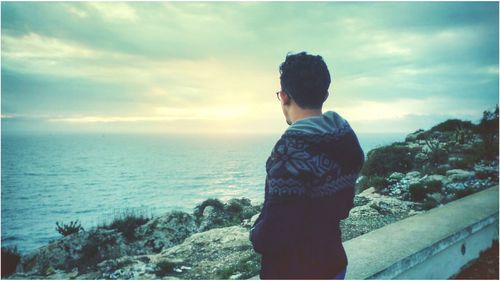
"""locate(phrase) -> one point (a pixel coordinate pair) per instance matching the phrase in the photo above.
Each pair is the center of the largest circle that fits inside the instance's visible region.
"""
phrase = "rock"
(414, 212)
(444, 167)
(211, 218)
(166, 231)
(443, 179)
(413, 174)
(360, 179)
(379, 211)
(235, 276)
(360, 200)
(414, 136)
(454, 158)
(78, 249)
(455, 186)
(240, 209)
(382, 207)
(483, 171)
(215, 254)
(438, 197)
(212, 213)
(248, 223)
(457, 175)
(131, 267)
(367, 192)
(395, 177)
(415, 146)
(421, 157)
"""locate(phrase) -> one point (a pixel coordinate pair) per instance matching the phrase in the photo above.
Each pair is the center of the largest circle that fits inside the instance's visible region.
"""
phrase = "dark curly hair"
(305, 78)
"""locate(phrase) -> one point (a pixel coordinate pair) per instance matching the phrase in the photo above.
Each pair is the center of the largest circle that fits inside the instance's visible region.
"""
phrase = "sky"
(212, 67)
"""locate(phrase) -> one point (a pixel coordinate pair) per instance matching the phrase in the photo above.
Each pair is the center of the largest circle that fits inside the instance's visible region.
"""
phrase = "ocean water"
(91, 177)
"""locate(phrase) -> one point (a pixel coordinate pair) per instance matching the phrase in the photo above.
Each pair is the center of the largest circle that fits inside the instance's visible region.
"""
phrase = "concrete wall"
(432, 245)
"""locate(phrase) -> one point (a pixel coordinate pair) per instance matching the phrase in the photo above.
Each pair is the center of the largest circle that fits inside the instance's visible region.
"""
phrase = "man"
(310, 180)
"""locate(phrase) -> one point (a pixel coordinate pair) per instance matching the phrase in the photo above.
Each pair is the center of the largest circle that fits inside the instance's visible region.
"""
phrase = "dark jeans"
(340, 275)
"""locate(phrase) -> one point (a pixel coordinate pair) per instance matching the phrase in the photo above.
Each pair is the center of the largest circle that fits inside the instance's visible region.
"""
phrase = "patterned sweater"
(309, 188)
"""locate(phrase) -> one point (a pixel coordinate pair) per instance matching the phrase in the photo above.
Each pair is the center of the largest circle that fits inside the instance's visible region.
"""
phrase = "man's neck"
(300, 113)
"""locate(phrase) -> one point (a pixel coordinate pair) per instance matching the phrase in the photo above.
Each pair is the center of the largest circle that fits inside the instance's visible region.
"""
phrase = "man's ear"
(285, 98)
(327, 94)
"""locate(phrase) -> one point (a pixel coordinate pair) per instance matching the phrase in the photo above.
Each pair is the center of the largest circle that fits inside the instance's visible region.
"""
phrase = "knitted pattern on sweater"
(309, 188)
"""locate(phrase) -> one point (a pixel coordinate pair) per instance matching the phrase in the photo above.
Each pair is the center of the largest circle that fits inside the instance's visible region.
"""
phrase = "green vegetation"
(419, 191)
(99, 247)
(437, 154)
(215, 203)
(126, 222)
(451, 125)
(379, 183)
(464, 192)
(240, 209)
(68, 229)
(247, 267)
(492, 175)
(385, 160)
(429, 204)
(10, 259)
(434, 186)
(488, 130)
(224, 215)
(462, 134)
(165, 266)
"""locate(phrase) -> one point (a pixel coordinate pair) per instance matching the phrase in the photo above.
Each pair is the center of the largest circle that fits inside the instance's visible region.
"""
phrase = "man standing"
(310, 181)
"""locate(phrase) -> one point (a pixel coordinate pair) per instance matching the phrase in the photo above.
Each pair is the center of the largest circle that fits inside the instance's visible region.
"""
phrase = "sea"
(92, 178)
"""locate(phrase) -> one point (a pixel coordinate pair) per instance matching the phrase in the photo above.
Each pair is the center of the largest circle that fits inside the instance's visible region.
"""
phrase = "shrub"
(488, 130)
(240, 209)
(215, 203)
(464, 163)
(164, 267)
(463, 135)
(437, 154)
(388, 159)
(434, 186)
(451, 125)
(417, 192)
(10, 259)
(429, 204)
(247, 267)
(464, 192)
(234, 208)
(126, 222)
(482, 175)
(377, 182)
(68, 229)
(96, 251)
(440, 170)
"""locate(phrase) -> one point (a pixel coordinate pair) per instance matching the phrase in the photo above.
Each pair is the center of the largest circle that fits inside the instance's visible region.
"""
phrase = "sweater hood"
(328, 122)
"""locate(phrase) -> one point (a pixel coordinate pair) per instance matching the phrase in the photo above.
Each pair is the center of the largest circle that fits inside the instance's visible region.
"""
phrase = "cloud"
(118, 63)
(163, 114)
(114, 11)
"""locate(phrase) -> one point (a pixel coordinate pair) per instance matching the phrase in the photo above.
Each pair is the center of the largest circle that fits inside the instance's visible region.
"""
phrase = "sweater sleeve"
(281, 221)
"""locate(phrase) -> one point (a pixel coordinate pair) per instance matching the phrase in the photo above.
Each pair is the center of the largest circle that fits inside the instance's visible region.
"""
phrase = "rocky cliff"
(428, 169)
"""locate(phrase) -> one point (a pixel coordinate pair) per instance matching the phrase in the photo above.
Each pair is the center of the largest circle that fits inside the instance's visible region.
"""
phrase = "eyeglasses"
(278, 94)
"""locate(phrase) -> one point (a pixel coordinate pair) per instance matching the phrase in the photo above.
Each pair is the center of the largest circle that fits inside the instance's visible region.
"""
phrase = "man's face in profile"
(284, 100)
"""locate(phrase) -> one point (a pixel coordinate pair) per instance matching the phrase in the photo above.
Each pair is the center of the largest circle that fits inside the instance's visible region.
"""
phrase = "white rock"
(413, 174)
(456, 175)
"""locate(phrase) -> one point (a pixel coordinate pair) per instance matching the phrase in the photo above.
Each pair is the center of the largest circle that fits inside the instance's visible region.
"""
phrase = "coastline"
(429, 169)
